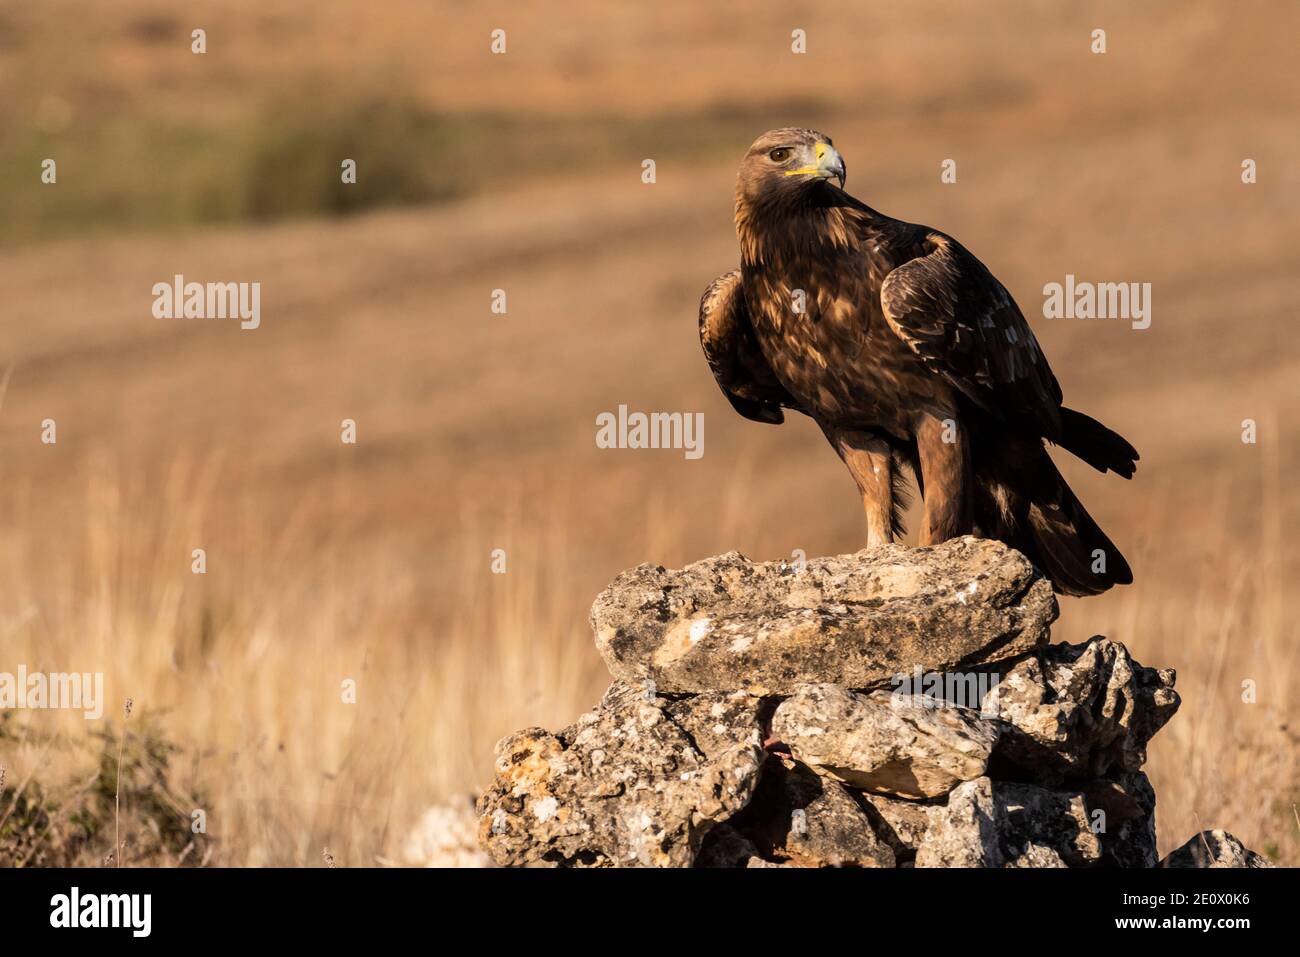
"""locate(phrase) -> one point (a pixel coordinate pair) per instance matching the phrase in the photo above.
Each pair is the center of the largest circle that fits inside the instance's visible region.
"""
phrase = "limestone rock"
(1007, 824)
(724, 846)
(670, 769)
(1127, 805)
(1036, 855)
(1032, 819)
(900, 823)
(727, 623)
(801, 819)
(1215, 849)
(963, 832)
(904, 745)
(1080, 711)
(446, 835)
(984, 825)
(628, 784)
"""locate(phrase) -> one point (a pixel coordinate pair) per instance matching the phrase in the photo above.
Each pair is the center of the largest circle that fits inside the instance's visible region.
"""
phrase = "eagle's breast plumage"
(821, 326)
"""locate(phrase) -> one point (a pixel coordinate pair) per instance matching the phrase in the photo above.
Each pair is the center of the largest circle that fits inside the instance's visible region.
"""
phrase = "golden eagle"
(904, 348)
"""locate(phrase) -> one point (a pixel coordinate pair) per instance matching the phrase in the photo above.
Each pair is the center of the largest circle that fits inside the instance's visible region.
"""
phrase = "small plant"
(129, 788)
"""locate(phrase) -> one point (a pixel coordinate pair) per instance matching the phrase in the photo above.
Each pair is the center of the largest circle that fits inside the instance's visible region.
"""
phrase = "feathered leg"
(870, 461)
(943, 454)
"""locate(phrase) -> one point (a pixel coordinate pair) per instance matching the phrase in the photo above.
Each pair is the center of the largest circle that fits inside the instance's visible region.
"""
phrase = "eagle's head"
(784, 177)
(787, 162)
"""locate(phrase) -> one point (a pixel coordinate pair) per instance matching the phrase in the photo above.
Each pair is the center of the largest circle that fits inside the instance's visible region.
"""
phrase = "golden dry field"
(475, 431)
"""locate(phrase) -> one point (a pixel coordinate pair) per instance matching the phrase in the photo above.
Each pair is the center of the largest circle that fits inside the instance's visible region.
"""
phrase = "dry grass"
(248, 683)
(329, 562)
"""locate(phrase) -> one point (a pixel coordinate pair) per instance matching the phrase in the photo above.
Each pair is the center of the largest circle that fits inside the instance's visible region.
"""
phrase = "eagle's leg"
(871, 463)
(943, 453)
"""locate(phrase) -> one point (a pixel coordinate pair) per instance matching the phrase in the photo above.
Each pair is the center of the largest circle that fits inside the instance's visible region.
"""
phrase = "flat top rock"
(857, 620)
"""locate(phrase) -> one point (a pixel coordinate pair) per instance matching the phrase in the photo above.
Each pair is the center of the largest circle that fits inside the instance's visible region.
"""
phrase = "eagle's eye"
(780, 154)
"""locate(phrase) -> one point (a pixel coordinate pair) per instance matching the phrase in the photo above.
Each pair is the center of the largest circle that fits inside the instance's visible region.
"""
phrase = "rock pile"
(897, 707)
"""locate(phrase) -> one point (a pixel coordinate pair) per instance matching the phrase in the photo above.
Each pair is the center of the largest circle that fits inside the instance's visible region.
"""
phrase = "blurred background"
(372, 562)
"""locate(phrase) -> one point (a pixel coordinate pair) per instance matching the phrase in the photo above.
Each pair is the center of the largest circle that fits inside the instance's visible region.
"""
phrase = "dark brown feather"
(966, 327)
(733, 354)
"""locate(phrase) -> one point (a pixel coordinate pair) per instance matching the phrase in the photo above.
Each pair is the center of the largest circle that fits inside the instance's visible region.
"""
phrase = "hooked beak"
(830, 163)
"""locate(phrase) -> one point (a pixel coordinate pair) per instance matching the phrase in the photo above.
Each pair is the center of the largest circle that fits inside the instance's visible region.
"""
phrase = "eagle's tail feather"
(1097, 445)
(1032, 509)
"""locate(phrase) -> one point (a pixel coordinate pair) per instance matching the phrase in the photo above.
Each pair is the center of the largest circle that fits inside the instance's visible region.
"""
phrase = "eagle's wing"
(960, 320)
(734, 355)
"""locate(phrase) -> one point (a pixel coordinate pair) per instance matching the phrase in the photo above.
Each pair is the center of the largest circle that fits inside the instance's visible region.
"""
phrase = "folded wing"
(966, 327)
(734, 355)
